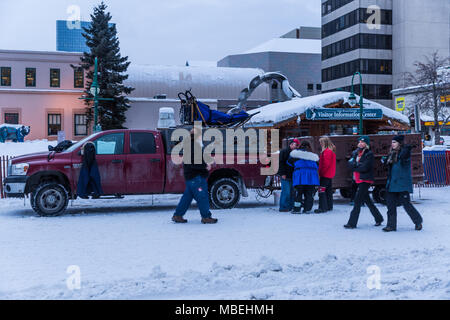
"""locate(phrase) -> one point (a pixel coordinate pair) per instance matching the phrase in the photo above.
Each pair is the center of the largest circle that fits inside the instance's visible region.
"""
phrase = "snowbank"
(278, 112)
(21, 148)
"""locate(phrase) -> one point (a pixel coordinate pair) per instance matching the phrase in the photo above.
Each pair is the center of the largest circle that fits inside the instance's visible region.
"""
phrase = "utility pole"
(95, 90)
(352, 100)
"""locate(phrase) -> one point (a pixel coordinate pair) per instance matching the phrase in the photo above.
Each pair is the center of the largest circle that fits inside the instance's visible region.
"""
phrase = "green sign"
(343, 114)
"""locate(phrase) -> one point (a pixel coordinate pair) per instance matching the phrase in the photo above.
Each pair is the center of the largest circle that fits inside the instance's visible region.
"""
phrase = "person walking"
(399, 184)
(195, 176)
(305, 177)
(285, 172)
(327, 171)
(361, 163)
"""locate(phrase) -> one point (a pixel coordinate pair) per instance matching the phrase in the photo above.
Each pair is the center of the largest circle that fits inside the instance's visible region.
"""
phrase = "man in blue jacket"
(399, 184)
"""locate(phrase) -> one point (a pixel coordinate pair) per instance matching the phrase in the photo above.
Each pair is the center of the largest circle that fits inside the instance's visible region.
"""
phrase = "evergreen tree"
(101, 38)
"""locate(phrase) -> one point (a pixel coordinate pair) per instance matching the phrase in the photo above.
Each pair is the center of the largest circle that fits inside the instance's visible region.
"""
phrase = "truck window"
(142, 143)
(110, 144)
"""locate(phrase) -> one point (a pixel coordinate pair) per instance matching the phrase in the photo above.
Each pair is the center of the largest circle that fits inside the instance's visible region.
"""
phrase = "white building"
(405, 31)
(40, 89)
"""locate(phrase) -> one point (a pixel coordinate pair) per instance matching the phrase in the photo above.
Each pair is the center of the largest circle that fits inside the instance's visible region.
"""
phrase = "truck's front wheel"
(225, 193)
(49, 199)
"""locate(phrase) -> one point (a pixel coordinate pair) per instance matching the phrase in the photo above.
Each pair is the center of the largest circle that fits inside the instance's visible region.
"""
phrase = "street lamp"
(352, 101)
(95, 90)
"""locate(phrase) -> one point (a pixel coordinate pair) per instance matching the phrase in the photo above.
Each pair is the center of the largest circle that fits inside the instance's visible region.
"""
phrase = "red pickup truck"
(130, 162)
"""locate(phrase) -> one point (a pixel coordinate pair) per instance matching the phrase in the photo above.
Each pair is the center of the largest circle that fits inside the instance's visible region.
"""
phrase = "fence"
(3, 173)
(436, 165)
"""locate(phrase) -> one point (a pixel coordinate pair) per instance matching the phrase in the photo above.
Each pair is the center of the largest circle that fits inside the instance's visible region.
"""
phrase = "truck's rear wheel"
(346, 193)
(224, 193)
(379, 194)
(49, 199)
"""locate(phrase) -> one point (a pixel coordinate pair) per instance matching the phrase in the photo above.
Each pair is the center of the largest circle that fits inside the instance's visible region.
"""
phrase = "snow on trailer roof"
(278, 112)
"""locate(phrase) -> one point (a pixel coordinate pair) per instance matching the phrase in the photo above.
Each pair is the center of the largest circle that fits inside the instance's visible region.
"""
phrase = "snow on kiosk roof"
(275, 114)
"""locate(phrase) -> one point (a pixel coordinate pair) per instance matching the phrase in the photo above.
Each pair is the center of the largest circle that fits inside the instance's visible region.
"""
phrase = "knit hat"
(399, 139)
(366, 139)
(296, 141)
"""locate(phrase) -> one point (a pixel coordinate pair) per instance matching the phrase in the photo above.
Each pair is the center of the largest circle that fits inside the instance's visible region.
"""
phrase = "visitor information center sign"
(343, 114)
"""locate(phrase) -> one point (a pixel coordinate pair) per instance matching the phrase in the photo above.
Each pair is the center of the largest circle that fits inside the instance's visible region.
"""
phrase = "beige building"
(42, 90)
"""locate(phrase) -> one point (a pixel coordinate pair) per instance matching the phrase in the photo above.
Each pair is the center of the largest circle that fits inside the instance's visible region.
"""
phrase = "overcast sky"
(163, 32)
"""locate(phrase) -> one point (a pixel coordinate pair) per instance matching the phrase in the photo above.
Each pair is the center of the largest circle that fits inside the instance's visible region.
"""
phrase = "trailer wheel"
(379, 194)
(224, 194)
(49, 199)
(346, 193)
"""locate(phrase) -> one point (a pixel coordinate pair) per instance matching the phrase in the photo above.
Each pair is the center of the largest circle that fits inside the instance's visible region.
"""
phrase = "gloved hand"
(352, 162)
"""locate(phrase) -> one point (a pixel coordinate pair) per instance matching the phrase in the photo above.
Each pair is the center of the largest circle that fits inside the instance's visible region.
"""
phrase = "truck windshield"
(79, 143)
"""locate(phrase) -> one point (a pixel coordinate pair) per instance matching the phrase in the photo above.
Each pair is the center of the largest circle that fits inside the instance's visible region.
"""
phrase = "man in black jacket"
(195, 175)
(285, 172)
(361, 163)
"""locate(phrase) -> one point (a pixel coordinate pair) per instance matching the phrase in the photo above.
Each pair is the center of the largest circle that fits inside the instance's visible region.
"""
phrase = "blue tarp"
(214, 117)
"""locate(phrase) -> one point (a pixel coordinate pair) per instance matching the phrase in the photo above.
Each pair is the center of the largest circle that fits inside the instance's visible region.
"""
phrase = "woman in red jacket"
(327, 171)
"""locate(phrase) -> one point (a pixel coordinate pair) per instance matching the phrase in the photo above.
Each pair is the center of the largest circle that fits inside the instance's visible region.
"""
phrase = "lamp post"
(94, 90)
(352, 101)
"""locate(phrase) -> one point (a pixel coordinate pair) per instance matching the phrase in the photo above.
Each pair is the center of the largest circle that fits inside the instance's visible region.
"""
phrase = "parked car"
(445, 141)
(130, 162)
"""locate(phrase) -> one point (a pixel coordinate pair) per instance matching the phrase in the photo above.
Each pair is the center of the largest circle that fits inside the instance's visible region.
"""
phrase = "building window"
(55, 78)
(350, 19)
(5, 76)
(365, 66)
(371, 91)
(357, 41)
(319, 87)
(12, 118)
(78, 74)
(30, 77)
(310, 86)
(54, 124)
(80, 124)
(332, 5)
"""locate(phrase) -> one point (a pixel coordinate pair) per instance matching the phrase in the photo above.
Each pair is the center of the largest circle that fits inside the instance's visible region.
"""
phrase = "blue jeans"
(197, 189)
(287, 195)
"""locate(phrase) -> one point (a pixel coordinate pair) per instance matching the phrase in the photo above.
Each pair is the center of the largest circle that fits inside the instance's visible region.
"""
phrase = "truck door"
(145, 164)
(111, 162)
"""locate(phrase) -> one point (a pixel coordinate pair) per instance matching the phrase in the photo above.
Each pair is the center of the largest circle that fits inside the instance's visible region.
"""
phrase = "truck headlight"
(19, 169)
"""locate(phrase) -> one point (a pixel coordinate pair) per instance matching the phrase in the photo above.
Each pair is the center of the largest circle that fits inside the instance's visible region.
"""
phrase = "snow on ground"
(29, 146)
(129, 248)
